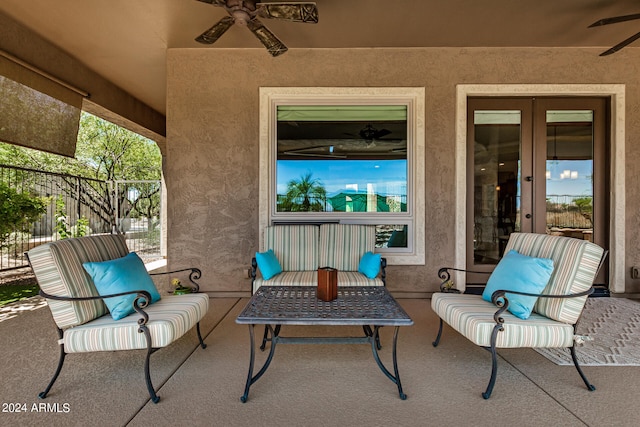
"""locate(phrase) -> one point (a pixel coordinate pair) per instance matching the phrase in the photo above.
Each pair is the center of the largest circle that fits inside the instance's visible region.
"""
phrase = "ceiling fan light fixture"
(240, 17)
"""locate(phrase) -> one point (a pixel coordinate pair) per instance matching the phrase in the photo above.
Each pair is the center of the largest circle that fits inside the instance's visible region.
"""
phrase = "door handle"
(528, 216)
(528, 178)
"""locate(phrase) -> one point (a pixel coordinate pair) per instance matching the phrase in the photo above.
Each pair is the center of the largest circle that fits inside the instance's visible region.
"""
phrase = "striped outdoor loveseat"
(302, 248)
(556, 311)
(83, 320)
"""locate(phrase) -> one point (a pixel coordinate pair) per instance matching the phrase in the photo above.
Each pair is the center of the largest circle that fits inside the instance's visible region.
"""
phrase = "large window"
(348, 156)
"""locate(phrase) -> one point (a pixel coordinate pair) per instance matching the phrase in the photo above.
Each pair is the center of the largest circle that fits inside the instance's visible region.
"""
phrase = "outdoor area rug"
(614, 326)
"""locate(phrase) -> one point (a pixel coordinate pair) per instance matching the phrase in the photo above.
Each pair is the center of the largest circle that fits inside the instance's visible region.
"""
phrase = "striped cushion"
(58, 269)
(169, 319)
(295, 246)
(310, 278)
(354, 278)
(342, 245)
(575, 265)
(473, 317)
(291, 278)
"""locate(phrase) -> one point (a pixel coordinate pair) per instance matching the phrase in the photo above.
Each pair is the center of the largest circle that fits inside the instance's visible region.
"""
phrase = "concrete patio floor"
(306, 385)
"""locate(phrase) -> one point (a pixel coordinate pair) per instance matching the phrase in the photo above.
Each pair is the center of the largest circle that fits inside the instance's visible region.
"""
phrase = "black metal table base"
(371, 337)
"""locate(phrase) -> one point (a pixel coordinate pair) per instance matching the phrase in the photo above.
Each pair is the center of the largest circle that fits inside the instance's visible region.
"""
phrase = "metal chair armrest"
(383, 270)
(500, 293)
(139, 303)
(194, 275)
(447, 284)
(254, 269)
(499, 299)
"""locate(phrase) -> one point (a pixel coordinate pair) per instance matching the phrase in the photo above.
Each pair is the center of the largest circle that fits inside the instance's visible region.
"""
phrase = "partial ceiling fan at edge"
(246, 13)
(615, 20)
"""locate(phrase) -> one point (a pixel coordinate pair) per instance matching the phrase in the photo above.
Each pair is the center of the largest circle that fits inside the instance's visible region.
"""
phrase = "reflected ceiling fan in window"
(615, 20)
(247, 12)
(370, 133)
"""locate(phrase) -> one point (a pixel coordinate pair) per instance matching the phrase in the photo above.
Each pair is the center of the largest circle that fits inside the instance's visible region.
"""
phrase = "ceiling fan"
(370, 133)
(615, 20)
(246, 13)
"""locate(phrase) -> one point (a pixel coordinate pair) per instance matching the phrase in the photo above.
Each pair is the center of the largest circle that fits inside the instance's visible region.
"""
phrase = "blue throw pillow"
(369, 265)
(517, 272)
(121, 275)
(268, 264)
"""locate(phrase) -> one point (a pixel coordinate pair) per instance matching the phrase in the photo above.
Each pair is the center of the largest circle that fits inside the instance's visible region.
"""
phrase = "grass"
(12, 293)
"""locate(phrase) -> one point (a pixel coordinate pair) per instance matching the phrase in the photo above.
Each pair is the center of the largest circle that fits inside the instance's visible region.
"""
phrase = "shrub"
(63, 228)
(18, 210)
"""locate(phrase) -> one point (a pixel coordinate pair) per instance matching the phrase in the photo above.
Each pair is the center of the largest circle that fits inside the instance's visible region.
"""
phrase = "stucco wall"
(212, 139)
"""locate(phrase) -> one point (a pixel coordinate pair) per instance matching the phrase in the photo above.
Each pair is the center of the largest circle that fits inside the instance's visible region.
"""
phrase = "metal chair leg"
(264, 338)
(202, 344)
(494, 362)
(590, 386)
(147, 375)
(43, 394)
(369, 333)
(437, 341)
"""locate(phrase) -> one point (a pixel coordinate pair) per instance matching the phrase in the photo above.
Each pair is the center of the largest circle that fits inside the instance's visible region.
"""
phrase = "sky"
(390, 176)
(387, 176)
(576, 186)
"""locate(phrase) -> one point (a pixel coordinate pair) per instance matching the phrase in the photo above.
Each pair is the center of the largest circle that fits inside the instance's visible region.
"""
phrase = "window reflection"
(341, 159)
(391, 236)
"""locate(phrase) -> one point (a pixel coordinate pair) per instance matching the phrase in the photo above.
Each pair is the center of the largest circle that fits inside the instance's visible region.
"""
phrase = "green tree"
(304, 195)
(115, 153)
(585, 207)
(105, 152)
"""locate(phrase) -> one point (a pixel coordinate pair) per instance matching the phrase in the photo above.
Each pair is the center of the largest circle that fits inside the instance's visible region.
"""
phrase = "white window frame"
(413, 98)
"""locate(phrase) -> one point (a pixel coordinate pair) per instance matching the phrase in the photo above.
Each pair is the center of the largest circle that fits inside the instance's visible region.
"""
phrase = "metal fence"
(569, 211)
(77, 206)
(137, 206)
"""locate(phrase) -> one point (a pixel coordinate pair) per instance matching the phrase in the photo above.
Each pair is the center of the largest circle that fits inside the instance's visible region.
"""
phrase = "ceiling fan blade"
(615, 20)
(305, 149)
(214, 33)
(330, 156)
(215, 2)
(621, 45)
(382, 132)
(266, 37)
(297, 12)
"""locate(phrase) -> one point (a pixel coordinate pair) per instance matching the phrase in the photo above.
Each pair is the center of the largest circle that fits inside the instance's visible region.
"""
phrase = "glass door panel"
(496, 174)
(575, 163)
(569, 173)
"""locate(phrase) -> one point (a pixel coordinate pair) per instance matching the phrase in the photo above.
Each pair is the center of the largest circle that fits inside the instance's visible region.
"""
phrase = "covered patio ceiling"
(126, 41)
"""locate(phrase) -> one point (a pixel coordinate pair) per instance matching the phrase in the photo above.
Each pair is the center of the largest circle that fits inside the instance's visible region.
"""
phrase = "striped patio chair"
(303, 248)
(82, 318)
(556, 310)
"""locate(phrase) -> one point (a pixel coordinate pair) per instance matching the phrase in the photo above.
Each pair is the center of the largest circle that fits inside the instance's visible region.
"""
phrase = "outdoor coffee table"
(370, 307)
